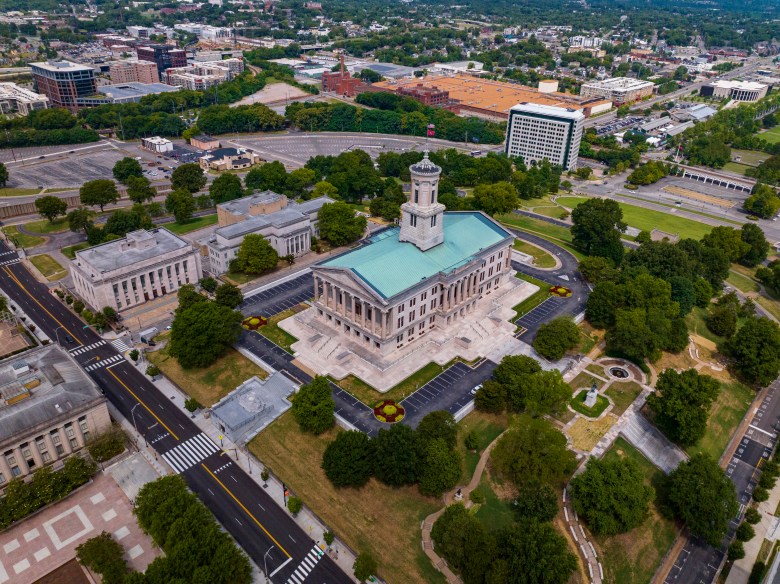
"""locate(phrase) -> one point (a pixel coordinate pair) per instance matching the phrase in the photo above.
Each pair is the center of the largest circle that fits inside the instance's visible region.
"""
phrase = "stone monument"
(590, 398)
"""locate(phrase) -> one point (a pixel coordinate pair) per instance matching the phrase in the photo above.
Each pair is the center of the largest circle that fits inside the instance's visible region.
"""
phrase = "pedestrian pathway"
(588, 551)
(190, 452)
(120, 344)
(306, 565)
(104, 363)
(85, 348)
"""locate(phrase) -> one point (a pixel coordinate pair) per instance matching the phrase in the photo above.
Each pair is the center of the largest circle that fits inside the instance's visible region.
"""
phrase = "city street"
(263, 529)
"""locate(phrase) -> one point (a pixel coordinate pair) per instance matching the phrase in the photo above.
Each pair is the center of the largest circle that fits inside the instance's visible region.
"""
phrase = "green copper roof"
(390, 266)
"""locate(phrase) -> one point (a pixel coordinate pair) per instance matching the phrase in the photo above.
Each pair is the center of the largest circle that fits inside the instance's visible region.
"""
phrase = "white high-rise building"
(537, 132)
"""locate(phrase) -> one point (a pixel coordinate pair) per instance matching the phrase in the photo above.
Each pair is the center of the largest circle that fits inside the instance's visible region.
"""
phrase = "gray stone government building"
(402, 282)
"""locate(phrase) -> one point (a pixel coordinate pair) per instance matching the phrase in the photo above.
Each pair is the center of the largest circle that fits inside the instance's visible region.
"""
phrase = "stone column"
(21, 462)
(50, 447)
(36, 456)
(6, 470)
(65, 441)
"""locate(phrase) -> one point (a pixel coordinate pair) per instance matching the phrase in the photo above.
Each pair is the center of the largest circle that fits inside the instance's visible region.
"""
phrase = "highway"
(261, 527)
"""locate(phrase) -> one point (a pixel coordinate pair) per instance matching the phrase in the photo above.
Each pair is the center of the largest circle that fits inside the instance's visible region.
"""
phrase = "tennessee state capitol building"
(432, 272)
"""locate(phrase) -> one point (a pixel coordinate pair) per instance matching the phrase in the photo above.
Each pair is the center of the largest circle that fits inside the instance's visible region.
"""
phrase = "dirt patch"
(679, 361)
(273, 93)
(702, 342)
(12, 338)
(68, 573)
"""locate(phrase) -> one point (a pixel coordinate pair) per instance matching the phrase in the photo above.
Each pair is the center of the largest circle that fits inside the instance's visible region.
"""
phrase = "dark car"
(69, 338)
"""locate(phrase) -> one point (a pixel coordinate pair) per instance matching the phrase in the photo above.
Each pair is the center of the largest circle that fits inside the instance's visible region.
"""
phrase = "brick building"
(432, 96)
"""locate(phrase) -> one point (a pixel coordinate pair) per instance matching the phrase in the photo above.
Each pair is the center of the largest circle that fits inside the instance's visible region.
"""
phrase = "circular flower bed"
(253, 323)
(389, 411)
(560, 291)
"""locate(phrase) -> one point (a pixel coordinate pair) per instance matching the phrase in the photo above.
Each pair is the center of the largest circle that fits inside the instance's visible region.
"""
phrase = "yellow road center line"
(148, 409)
(240, 504)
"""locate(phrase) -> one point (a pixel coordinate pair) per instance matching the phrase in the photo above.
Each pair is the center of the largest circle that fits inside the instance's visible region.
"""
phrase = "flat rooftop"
(134, 89)
(549, 110)
(745, 85)
(626, 83)
(390, 266)
(62, 66)
(485, 94)
(135, 247)
(41, 384)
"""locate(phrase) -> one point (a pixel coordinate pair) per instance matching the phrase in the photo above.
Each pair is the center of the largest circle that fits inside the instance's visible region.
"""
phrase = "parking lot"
(279, 297)
(69, 168)
(618, 125)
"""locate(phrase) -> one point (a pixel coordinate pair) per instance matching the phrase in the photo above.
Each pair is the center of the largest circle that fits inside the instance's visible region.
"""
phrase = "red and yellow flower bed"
(560, 291)
(388, 411)
(253, 323)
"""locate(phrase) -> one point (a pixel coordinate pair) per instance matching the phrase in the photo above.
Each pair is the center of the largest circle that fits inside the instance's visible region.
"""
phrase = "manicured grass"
(12, 192)
(48, 267)
(750, 157)
(695, 212)
(239, 278)
(551, 211)
(577, 403)
(697, 324)
(486, 427)
(633, 557)
(494, 513)
(192, 225)
(597, 369)
(210, 384)
(70, 251)
(622, 394)
(585, 381)
(44, 226)
(542, 259)
(742, 283)
(22, 239)
(772, 306)
(586, 433)
(725, 415)
(648, 219)
(272, 332)
(361, 517)
(736, 167)
(553, 233)
(534, 300)
(772, 136)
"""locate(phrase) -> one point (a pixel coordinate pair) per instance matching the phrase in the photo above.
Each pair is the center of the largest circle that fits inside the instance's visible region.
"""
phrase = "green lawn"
(534, 299)
(633, 557)
(272, 332)
(494, 513)
(750, 157)
(191, 225)
(577, 403)
(742, 283)
(694, 211)
(22, 239)
(542, 259)
(553, 233)
(622, 394)
(585, 381)
(70, 251)
(48, 267)
(11, 192)
(45, 227)
(486, 427)
(239, 278)
(647, 219)
(736, 167)
(697, 324)
(725, 414)
(772, 136)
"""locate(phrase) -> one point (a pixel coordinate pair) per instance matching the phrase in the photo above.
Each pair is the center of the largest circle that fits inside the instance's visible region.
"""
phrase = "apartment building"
(618, 90)
(134, 71)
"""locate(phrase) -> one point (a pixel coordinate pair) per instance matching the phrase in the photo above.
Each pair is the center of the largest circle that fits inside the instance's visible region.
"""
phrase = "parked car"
(476, 389)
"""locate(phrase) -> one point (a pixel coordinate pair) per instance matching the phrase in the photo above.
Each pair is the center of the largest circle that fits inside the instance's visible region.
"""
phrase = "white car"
(476, 389)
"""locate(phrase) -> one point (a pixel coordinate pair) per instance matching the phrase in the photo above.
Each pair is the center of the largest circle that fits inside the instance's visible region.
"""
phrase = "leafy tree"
(611, 495)
(125, 168)
(529, 389)
(365, 566)
(532, 553)
(51, 207)
(596, 269)
(597, 226)
(313, 406)
(397, 459)
(255, 256)
(349, 460)
(202, 332)
(3, 175)
(536, 502)
(683, 293)
(226, 187)
(755, 350)
(229, 295)
(98, 193)
(324, 189)
(209, 284)
(648, 173)
(745, 532)
(181, 203)
(700, 494)
(464, 542)
(104, 555)
(763, 202)
(188, 296)
(533, 450)
(556, 337)
(681, 404)
(271, 176)
(727, 239)
(759, 247)
(294, 504)
(369, 76)
(338, 224)
(491, 397)
(438, 425)
(441, 468)
(703, 291)
(298, 181)
(722, 320)
(189, 177)
(140, 190)
(752, 515)
(496, 199)
(709, 150)
(736, 551)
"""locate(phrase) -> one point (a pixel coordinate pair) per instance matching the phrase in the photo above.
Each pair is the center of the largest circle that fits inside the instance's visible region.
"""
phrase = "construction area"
(489, 99)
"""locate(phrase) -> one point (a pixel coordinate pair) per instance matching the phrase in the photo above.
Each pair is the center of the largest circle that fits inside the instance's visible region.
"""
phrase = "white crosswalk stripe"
(12, 252)
(190, 452)
(7, 262)
(120, 345)
(104, 363)
(85, 348)
(306, 566)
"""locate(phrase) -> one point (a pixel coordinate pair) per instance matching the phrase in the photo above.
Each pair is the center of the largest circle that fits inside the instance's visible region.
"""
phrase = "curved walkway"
(449, 498)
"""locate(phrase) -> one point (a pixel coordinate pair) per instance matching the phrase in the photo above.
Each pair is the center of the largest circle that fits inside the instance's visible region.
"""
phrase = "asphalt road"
(698, 562)
(243, 508)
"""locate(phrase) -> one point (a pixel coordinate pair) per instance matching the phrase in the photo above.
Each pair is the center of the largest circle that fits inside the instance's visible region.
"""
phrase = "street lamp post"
(57, 334)
(265, 563)
(132, 413)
